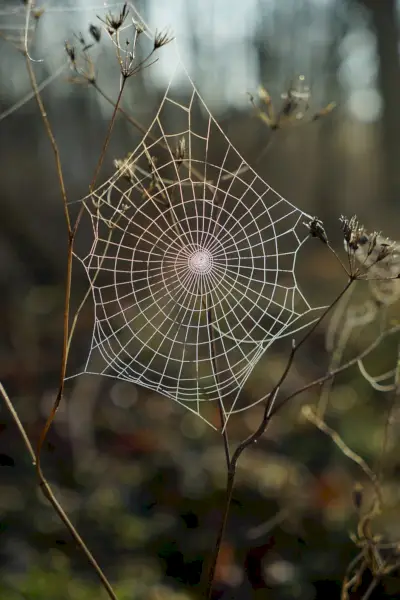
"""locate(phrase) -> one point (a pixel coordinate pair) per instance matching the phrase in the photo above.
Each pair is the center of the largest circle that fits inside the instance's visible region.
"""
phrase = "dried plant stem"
(394, 398)
(51, 137)
(87, 294)
(269, 410)
(348, 583)
(71, 230)
(215, 371)
(350, 363)
(311, 415)
(272, 408)
(48, 493)
(210, 574)
(109, 132)
(371, 588)
(18, 423)
(230, 473)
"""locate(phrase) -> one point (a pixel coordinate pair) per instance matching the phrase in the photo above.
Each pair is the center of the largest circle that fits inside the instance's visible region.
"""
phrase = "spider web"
(192, 266)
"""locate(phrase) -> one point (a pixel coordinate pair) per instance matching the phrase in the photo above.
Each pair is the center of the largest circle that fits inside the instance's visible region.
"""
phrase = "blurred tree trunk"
(384, 21)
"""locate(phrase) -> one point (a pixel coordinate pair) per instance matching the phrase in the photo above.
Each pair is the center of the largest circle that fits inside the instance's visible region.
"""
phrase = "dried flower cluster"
(294, 108)
(368, 248)
(114, 25)
(316, 229)
(377, 257)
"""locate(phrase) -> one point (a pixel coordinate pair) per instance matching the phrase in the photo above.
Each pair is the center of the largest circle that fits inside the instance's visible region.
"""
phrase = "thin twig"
(51, 137)
(48, 493)
(394, 397)
(108, 135)
(43, 483)
(310, 414)
(18, 423)
(271, 407)
(371, 588)
(221, 534)
(340, 369)
(210, 328)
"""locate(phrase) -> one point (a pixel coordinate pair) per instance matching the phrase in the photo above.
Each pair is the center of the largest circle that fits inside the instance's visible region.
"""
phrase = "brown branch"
(311, 415)
(269, 411)
(336, 371)
(18, 423)
(71, 231)
(48, 493)
(52, 139)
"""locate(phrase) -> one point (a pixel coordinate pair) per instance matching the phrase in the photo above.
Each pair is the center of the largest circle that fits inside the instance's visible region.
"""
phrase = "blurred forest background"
(142, 479)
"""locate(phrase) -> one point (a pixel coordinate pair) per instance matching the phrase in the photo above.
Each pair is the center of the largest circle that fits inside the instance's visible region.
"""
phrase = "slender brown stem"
(311, 415)
(44, 485)
(340, 369)
(215, 372)
(48, 493)
(221, 533)
(18, 423)
(371, 588)
(270, 409)
(52, 139)
(108, 135)
(393, 399)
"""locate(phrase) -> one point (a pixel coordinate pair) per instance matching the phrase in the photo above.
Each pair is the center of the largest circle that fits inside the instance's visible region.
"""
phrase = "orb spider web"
(192, 266)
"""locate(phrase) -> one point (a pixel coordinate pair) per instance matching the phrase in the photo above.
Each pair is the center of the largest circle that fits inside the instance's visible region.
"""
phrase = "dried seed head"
(354, 233)
(294, 108)
(114, 23)
(385, 249)
(316, 229)
(162, 38)
(140, 28)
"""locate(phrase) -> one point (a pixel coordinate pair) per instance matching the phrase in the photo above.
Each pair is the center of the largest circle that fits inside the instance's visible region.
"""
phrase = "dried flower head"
(294, 108)
(378, 259)
(162, 38)
(114, 23)
(316, 229)
(140, 28)
(354, 233)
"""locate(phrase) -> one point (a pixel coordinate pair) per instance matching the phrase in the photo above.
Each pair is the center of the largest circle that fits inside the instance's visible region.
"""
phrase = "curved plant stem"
(270, 409)
(71, 232)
